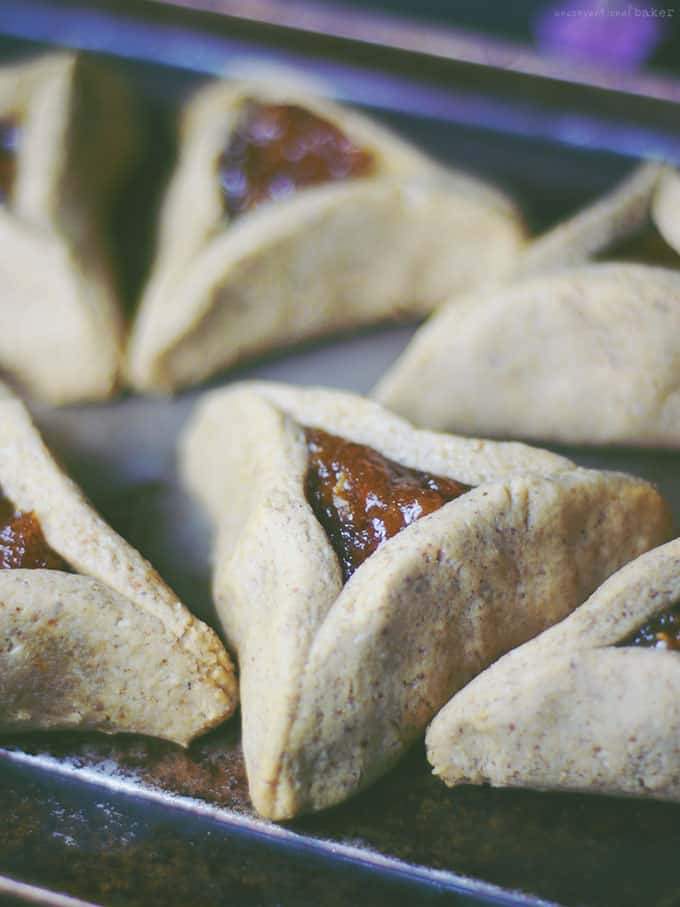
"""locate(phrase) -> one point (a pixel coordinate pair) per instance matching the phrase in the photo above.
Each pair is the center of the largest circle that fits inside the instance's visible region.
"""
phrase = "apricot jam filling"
(660, 632)
(362, 498)
(277, 149)
(9, 142)
(22, 543)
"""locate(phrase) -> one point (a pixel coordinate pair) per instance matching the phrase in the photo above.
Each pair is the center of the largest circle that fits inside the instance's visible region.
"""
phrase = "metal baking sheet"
(131, 821)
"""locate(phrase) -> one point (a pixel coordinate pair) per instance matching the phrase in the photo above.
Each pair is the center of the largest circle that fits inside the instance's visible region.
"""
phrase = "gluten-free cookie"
(592, 704)
(364, 571)
(288, 217)
(66, 140)
(90, 636)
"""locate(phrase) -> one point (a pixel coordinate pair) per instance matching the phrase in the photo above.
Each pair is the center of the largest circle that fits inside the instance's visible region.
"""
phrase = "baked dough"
(60, 325)
(331, 257)
(110, 647)
(666, 208)
(573, 709)
(587, 355)
(337, 681)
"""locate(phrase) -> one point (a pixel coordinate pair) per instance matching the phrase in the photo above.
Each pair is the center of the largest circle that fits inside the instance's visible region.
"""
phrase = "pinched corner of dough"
(77, 655)
(158, 649)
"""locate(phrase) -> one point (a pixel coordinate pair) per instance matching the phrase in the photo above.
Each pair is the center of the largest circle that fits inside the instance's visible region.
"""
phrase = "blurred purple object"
(615, 33)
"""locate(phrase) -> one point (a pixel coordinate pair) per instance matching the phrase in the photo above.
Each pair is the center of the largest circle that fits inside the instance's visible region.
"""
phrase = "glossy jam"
(9, 141)
(277, 149)
(661, 632)
(22, 544)
(362, 499)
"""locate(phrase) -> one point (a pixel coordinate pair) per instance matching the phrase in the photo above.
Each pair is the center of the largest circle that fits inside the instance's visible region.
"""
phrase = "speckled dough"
(329, 258)
(569, 709)
(112, 649)
(60, 324)
(588, 355)
(336, 682)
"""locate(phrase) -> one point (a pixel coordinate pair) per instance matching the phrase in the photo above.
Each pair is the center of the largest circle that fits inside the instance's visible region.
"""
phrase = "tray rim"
(415, 36)
(543, 99)
(28, 893)
(367, 857)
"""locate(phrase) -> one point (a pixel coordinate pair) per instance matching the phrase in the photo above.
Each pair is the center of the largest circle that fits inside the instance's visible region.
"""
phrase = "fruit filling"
(660, 632)
(22, 543)
(277, 149)
(362, 498)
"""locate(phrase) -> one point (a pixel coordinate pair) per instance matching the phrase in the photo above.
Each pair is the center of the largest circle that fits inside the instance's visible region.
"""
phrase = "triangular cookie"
(344, 662)
(289, 217)
(592, 704)
(90, 636)
(66, 138)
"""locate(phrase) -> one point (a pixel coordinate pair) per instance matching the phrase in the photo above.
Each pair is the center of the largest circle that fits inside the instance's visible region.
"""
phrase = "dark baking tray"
(128, 821)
